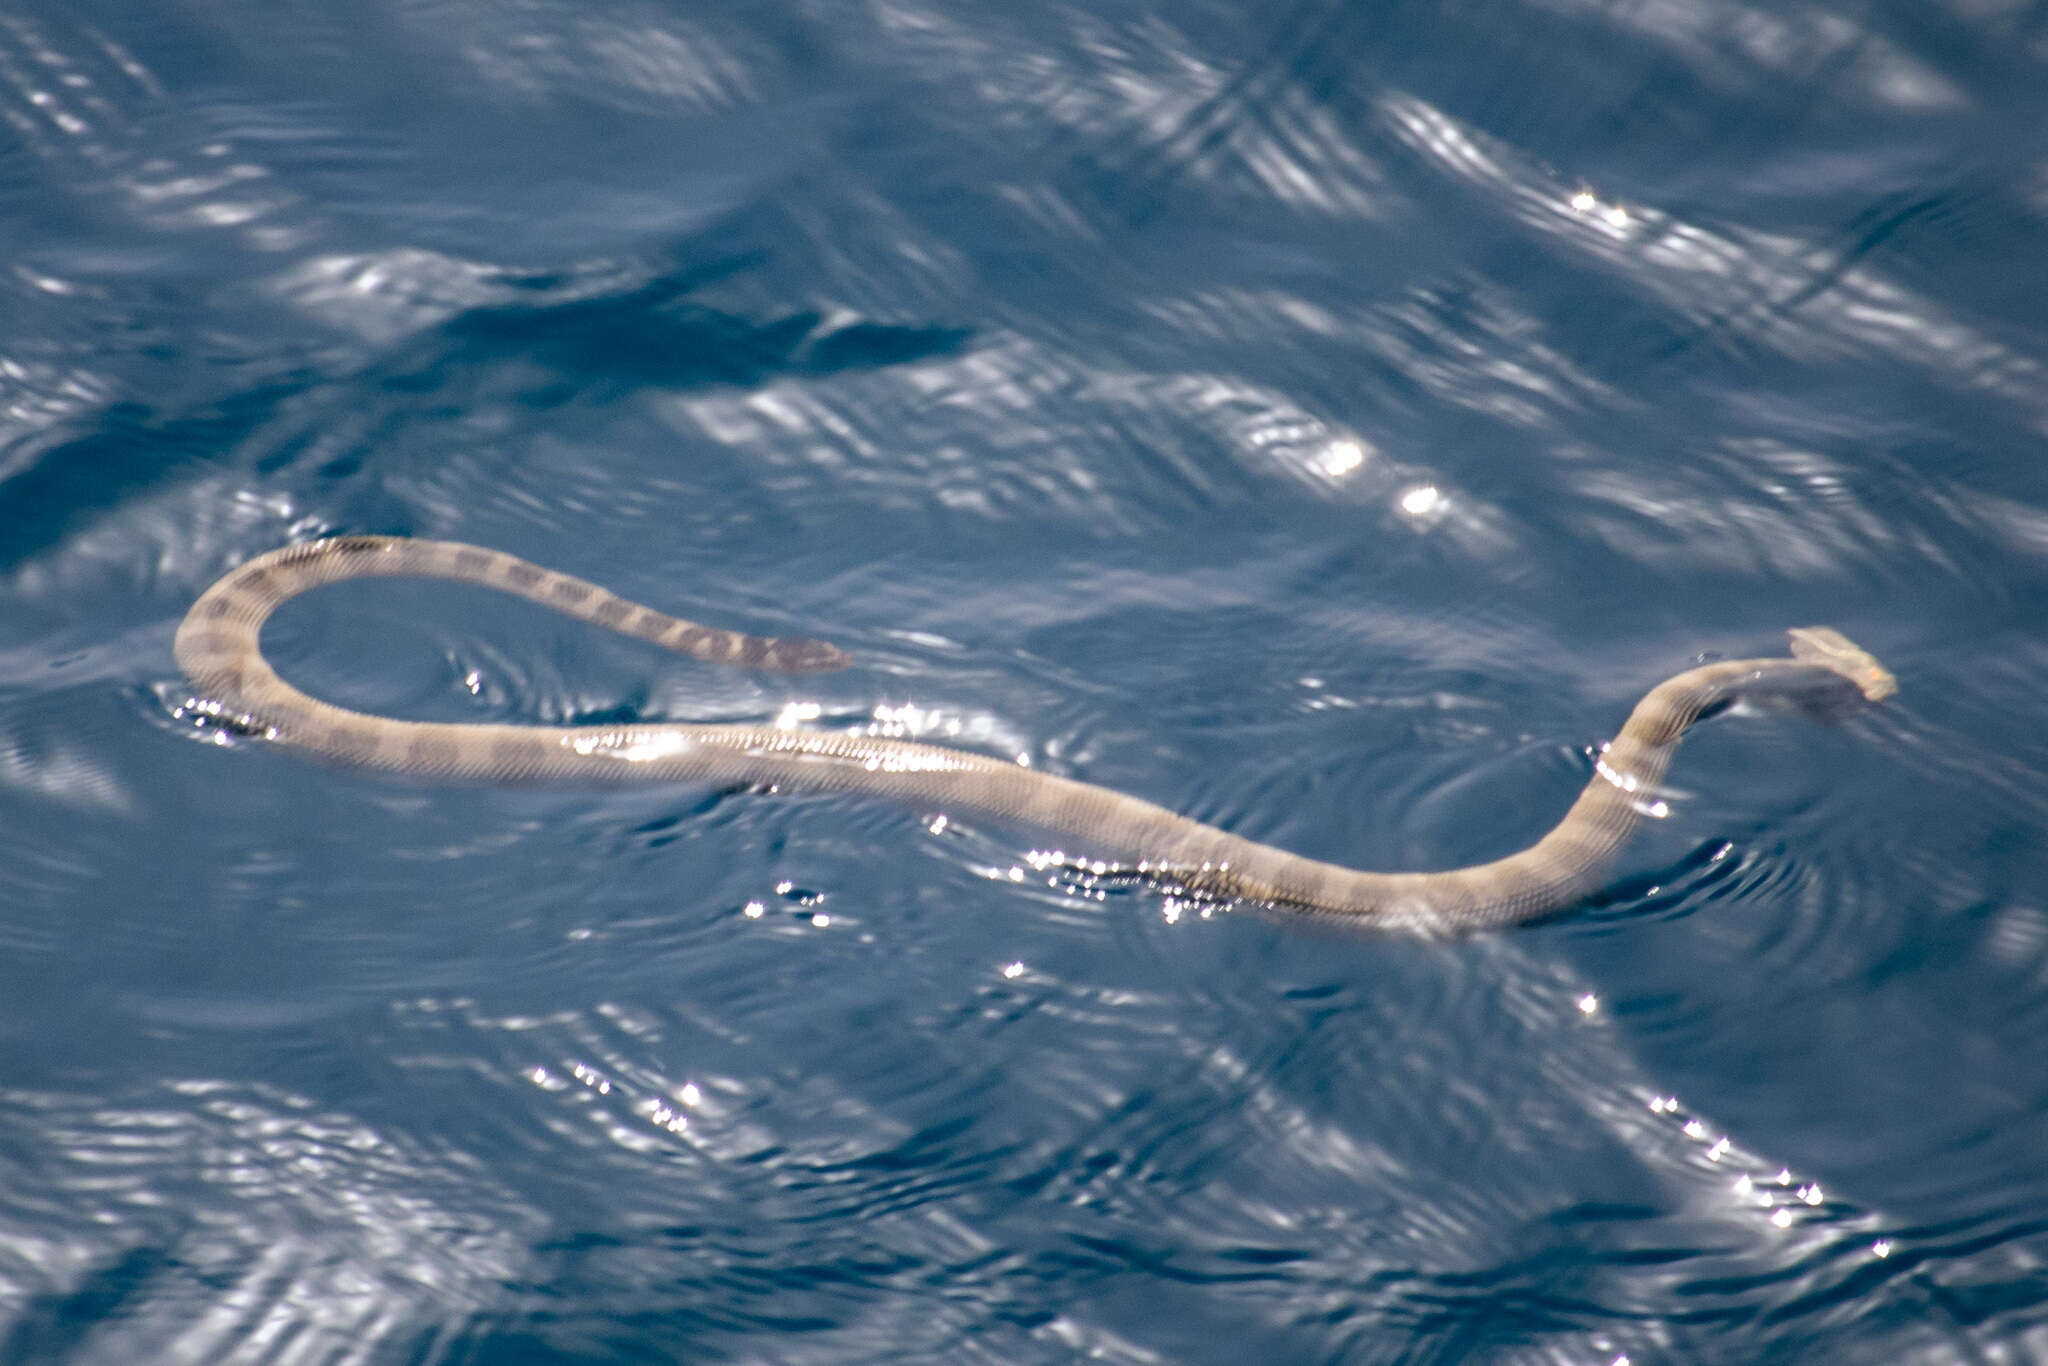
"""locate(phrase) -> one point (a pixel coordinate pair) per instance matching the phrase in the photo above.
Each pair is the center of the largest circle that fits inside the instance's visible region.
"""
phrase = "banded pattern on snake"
(218, 645)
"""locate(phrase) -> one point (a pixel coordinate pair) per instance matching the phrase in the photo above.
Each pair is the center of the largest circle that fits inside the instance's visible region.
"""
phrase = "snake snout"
(1827, 648)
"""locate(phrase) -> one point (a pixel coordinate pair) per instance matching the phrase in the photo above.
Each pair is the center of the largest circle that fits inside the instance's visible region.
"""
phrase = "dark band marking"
(352, 740)
(511, 755)
(796, 655)
(347, 545)
(429, 754)
(204, 645)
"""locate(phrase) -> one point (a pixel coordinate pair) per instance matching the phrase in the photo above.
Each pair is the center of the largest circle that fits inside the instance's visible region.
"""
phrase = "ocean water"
(1324, 419)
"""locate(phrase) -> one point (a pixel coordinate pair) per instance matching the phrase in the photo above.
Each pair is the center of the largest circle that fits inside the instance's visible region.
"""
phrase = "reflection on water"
(1324, 421)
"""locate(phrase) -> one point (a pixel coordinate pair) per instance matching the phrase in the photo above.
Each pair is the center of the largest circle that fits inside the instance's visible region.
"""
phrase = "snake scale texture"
(218, 646)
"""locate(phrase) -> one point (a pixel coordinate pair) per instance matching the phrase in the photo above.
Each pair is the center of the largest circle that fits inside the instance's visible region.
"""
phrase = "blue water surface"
(1324, 419)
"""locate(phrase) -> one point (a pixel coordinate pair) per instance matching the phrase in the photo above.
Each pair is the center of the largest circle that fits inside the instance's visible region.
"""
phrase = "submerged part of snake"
(218, 645)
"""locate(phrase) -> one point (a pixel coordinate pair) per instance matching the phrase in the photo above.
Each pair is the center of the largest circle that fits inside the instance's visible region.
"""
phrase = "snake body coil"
(218, 646)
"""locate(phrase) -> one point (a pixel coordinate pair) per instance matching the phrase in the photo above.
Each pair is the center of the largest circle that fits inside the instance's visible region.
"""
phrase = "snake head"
(1827, 648)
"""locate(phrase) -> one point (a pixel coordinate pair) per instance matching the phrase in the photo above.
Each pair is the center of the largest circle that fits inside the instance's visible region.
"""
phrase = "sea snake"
(218, 644)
